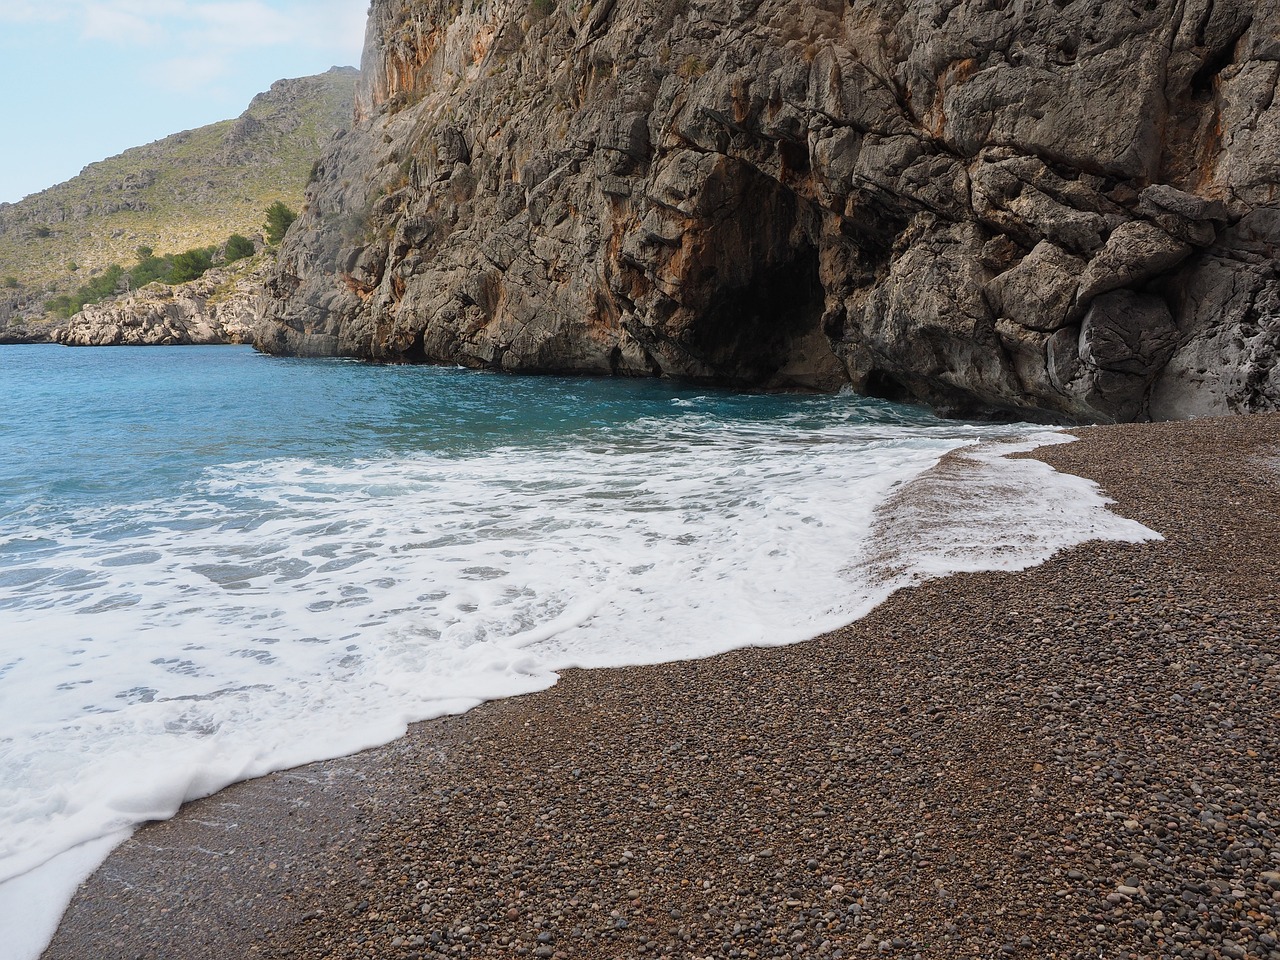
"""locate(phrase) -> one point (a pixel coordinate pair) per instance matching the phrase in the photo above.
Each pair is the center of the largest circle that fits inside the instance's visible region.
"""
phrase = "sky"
(83, 80)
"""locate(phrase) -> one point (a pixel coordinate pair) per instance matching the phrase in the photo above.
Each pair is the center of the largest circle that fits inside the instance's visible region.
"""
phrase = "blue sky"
(83, 80)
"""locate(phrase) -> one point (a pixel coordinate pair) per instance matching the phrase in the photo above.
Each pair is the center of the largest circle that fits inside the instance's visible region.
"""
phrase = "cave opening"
(885, 386)
(747, 333)
(794, 156)
(416, 351)
(1215, 62)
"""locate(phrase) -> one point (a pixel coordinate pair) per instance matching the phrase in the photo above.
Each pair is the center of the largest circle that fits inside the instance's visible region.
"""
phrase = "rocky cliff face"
(220, 307)
(1066, 206)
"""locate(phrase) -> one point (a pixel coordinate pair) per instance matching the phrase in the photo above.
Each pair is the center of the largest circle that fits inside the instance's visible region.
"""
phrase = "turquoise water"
(214, 563)
(111, 425)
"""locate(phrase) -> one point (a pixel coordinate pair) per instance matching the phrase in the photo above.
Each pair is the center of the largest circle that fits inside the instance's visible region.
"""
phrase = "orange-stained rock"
(919, 199)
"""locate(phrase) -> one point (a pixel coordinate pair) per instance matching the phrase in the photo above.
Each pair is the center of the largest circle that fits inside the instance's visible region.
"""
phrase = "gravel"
(1078, 760)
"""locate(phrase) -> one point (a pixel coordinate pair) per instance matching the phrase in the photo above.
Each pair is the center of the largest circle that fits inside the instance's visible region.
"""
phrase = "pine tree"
(279, 217)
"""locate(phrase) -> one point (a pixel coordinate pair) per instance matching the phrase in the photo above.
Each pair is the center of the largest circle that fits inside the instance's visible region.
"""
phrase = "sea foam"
(285, 609)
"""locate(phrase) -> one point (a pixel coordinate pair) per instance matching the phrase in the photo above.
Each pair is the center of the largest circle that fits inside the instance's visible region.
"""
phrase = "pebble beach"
(1077, 760)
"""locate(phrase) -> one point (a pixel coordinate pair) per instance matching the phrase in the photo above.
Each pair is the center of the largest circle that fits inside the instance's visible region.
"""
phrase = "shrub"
(692, 67)
(238, 247)
(190, 264)
(279, 219)
(12, 283)
(174, 267)
(149, 268)
(99, 288)
(102, 286)
(542, 8)
(59, 306)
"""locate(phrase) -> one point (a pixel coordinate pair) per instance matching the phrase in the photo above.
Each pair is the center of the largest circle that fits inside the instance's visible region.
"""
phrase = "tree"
(190, 264)
(237, 248)
(61, 306)
(149, 268)
(104, 285)
(279, 217)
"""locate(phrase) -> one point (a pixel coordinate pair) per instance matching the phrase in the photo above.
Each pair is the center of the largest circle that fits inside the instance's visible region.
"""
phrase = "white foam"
(296, 610)
(979, 510)
(41, 895)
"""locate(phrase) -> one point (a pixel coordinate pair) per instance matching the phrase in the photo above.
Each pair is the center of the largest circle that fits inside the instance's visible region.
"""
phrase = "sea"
(215, 563)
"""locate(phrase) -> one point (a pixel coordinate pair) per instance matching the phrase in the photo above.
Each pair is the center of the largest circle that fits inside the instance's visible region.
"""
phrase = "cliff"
(1063, 208)
(220, 307)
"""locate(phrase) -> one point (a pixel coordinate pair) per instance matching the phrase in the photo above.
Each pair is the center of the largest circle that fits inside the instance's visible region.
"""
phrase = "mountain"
(188, 190)
(1064, 210)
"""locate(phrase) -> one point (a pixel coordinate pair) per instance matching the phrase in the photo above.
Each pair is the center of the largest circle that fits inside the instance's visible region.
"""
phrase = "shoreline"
(1083, 754)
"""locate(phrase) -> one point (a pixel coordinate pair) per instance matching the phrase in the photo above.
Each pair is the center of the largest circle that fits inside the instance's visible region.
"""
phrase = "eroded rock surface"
(220, 307)
(1067, 208)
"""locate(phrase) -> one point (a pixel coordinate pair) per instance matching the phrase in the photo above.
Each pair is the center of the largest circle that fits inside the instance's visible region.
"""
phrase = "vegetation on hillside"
(173, 268)
(184, 193)
(238, 247)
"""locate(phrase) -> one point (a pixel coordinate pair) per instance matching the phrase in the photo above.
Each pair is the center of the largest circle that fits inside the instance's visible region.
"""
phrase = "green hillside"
(192, 189)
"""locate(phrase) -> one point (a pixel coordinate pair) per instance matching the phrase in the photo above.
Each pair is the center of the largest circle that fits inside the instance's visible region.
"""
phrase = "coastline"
(1075, 758)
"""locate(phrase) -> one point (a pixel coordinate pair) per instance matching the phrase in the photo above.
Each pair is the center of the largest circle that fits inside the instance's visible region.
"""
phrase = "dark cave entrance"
(416, 351)
(885, 386)
(747, 333)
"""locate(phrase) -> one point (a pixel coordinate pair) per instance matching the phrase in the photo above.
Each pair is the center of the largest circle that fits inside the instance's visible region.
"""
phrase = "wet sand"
(1077, 760)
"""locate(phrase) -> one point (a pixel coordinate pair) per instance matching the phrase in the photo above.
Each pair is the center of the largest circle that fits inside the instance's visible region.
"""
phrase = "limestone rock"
(1064, 210)
(1040, 291)
(220, 307)
(1127, 332)
(1135, 252)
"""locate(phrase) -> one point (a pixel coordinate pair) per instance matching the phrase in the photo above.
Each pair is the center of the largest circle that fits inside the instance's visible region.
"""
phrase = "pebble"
(1092, 787)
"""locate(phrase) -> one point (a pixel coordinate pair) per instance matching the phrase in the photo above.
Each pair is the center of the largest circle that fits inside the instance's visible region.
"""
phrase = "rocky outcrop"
(16, 323)
(1064, 208)
(220, 307)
